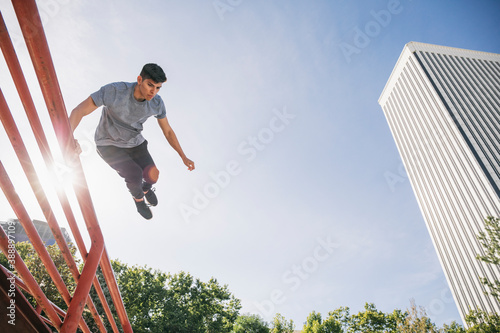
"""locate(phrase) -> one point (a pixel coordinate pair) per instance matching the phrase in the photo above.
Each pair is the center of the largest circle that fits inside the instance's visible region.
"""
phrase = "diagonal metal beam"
(31, 26)
(25, 95)
(19, 264)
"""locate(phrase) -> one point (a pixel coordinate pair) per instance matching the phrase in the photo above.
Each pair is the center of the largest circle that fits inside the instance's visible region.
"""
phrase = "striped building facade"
(442, 105)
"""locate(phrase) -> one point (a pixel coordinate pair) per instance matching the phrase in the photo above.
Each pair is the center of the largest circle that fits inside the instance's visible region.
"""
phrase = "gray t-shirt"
(122, 115)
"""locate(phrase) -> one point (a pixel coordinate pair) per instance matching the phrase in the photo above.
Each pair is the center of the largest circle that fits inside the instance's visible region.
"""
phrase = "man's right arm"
(84, 108)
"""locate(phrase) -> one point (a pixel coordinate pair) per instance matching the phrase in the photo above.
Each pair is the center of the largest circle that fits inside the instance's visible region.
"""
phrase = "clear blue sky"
(299, 200)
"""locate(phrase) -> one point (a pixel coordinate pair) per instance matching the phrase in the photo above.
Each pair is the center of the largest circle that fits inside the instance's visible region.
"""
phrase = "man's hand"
(73, 153)
(77, 148)
(172, 140)
(188, 163)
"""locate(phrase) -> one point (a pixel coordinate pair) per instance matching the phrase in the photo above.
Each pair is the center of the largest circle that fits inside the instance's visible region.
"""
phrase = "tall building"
(16, 232)
(443, 108)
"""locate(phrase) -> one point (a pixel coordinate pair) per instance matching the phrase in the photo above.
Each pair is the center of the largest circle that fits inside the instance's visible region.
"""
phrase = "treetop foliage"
(159, 302)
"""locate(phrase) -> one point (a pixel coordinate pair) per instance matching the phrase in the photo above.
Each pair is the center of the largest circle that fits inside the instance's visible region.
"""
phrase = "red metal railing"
(31, 26)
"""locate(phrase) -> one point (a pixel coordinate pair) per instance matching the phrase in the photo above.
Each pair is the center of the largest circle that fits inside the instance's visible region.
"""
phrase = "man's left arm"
(172, 140)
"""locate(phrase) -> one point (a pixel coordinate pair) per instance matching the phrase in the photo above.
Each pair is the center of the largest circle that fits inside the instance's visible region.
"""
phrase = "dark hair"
(153, 72)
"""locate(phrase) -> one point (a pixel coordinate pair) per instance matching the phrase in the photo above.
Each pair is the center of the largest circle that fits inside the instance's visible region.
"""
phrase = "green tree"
(100, 309)
(490, 241)
(478, 320)
(331, 326)
(250, 324)
(415, 320)
(314, 324)
(281, 325)
(454, 327)
(338, 320)
(372, 320)
(482, 322)
(159, 302)
(156, 302)
(34, 263)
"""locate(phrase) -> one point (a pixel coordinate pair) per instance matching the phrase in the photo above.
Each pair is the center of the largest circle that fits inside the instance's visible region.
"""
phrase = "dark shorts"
(135, 165)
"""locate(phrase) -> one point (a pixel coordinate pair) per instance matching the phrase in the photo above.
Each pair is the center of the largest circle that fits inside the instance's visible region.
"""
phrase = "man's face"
(147, 88)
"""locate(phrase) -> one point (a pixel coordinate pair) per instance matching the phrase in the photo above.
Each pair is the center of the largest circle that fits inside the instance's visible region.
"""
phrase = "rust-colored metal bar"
(27, 16)
(114, 291)
(31, 231)
(27, 311)
(17, 75)
(33, 33)
(104, 303)
(26, 275)
(81, 294)
(38, 309)
(24, 93)
(29, 170)
(21, 213)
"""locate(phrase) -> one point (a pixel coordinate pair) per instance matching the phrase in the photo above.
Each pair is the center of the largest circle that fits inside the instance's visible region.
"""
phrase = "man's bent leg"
(120, 160)
(142, 157)
(150, 172)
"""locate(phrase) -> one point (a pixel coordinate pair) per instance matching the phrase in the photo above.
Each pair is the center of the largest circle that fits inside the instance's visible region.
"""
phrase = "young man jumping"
(125, 107)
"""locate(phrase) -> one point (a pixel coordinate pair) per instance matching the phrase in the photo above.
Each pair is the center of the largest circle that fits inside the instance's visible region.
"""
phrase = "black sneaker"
(151, 197)
(143, 209)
